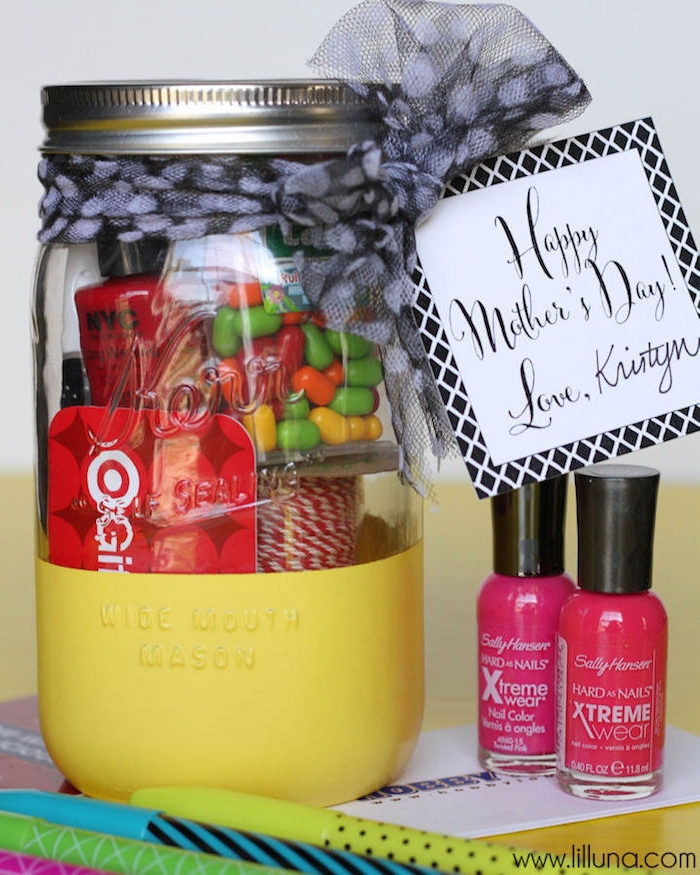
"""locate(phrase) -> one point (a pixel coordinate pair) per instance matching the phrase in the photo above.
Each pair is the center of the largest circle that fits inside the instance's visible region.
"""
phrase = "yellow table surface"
(458, 557)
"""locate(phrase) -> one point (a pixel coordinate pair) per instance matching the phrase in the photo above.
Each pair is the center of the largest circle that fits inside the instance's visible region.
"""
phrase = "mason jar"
(229, 566)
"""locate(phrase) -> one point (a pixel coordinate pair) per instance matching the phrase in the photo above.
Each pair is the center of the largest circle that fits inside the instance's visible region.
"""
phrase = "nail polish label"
(516, 693)
(611, 708)
(111, 316)
(128, 493)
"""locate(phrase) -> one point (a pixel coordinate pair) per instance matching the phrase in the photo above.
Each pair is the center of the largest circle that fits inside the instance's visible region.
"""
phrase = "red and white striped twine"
(314, 529)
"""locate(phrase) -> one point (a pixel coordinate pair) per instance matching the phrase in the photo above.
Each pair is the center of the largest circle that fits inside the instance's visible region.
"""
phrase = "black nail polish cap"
(528, 529)
(128, 259)
(616, 510)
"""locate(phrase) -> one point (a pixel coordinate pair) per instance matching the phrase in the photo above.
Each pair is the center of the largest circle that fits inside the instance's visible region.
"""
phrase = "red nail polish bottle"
(612, 643)
(118, 321)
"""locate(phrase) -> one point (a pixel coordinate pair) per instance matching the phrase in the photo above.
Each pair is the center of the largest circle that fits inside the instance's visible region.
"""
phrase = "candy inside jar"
(310, 397)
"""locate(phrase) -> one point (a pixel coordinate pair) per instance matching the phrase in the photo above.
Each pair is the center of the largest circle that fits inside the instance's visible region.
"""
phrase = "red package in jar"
(134, 496)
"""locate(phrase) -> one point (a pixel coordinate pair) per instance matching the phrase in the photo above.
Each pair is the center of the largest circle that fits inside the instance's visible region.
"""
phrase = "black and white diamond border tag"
(489, 479)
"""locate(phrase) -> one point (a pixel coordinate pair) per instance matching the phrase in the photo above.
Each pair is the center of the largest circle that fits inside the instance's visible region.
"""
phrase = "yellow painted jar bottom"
(304, 685)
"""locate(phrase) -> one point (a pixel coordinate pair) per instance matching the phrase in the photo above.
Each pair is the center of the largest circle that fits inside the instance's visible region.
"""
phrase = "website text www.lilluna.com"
(588, 857)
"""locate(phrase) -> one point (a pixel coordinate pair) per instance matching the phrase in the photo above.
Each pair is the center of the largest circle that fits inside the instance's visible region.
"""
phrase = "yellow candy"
(357, 428)
(333, 427)
(373, 427)
(261, 425)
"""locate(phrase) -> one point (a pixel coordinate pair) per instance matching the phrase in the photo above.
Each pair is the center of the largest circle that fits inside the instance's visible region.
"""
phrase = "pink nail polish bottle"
(517, 613)
(612, 643)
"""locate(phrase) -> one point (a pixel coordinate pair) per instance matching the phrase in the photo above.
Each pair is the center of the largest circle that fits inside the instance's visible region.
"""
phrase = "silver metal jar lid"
(268, 117)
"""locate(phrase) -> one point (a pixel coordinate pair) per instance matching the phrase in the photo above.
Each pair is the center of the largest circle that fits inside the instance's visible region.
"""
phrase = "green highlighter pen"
(39, 838)
(342, 832)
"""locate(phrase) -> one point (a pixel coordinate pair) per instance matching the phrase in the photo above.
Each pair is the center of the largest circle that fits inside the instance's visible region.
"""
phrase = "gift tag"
(558, 295)
(128, 495)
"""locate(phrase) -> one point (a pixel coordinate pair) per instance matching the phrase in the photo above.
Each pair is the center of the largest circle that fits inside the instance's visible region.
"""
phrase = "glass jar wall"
(204, 433)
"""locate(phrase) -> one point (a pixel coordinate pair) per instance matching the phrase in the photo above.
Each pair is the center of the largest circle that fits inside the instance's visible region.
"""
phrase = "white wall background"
(638, 57)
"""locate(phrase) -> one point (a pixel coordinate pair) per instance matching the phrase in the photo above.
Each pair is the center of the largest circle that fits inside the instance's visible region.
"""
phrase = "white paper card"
(445, 790)
(558, 302)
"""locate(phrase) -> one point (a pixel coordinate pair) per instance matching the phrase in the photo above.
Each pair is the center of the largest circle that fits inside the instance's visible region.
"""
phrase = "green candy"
(366, 371)
(297, 434)
(296, 409)
(225, 338)
(345, 345)
(255, 322)
(353, 401)
(317, 352)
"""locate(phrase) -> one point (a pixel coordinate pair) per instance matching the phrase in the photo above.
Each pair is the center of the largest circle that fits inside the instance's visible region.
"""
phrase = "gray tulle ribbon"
(454, 84)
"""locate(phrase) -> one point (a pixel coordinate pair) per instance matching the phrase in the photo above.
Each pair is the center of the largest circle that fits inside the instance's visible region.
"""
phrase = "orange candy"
(315, 385)
(335, 372)
(245, 294)
(295, 318)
